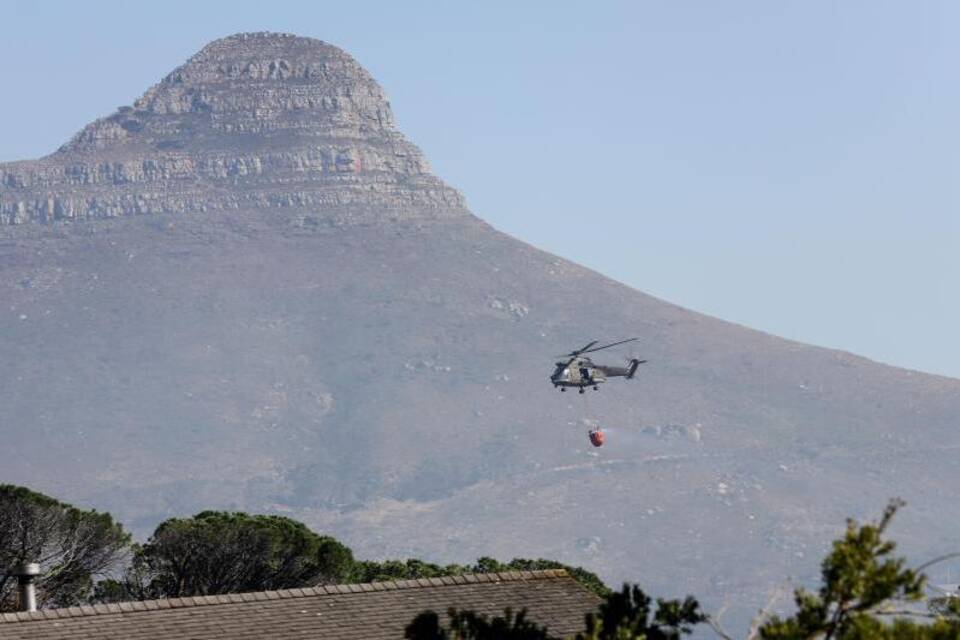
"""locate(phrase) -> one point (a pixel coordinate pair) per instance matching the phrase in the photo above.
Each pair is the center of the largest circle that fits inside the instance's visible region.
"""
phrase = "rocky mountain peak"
(254, 83)
(252, 121)
(264, 56)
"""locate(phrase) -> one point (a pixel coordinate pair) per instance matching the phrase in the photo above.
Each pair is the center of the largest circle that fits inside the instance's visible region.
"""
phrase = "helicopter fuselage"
(580, 372)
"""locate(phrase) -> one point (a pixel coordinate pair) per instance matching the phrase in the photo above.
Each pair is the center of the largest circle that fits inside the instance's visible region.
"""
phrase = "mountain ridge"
(356, 349)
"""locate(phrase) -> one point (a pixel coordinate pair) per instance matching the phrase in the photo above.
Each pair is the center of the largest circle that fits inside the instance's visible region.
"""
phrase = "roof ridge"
(279, 594)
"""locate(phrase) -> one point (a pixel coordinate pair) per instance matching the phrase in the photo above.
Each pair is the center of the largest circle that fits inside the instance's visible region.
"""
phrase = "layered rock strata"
(258, 121)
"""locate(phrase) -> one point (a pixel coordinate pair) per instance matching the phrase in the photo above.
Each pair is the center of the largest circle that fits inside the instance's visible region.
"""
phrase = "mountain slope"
(247, 291)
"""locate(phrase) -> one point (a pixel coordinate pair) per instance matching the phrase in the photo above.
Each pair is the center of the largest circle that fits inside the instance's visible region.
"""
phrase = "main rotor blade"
(582, 349)
(606, 346)
(574, 354)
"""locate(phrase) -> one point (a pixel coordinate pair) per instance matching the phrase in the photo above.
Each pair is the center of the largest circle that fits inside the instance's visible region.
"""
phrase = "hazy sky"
(790, 166)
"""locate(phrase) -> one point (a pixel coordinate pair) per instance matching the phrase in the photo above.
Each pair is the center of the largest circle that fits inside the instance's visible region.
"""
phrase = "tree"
(217, 552)
(586, 578)
(71, 545)
(467, 625)
(371, 571)
(861, 583)
(625, 615)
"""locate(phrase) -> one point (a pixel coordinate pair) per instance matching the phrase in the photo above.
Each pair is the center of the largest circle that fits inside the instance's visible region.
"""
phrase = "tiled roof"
(340, 612)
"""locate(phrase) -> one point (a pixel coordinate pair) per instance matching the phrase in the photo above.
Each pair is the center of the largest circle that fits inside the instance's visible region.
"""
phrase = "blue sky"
(790, 166)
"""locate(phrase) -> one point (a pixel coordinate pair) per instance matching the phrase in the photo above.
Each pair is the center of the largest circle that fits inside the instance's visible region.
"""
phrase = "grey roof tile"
(368, 612)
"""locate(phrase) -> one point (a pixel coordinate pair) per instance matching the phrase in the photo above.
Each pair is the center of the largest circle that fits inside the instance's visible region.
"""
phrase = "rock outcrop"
(258, 120)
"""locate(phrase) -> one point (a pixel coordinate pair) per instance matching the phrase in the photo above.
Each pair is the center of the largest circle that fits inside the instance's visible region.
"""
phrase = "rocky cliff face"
(254, 120)
(309, 323)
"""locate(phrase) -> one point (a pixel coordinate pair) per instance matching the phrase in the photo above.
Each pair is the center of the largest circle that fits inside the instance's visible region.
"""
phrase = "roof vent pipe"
(26, 573)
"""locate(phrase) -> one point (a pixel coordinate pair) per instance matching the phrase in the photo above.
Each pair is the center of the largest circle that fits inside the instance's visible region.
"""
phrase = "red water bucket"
(596, 437)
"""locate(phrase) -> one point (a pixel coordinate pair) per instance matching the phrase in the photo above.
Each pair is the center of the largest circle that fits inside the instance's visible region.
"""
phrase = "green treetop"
(71, 545)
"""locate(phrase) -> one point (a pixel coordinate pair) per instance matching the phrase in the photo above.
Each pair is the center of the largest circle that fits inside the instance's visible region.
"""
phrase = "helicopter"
(580, 372)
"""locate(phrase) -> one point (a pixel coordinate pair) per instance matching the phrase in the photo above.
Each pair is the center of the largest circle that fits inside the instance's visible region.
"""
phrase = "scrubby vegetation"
(210, 553)
(367, 571)
(866, 591)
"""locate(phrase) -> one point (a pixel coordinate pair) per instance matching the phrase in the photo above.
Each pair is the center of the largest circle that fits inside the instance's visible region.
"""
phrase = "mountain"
(247, 291)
